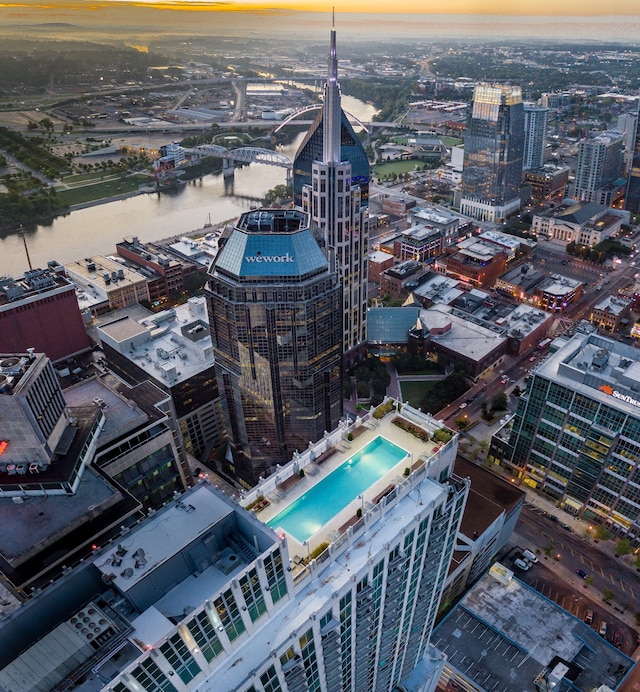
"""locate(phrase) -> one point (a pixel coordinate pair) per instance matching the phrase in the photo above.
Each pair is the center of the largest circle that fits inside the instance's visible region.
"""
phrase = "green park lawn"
(414, 392)
(102, 189)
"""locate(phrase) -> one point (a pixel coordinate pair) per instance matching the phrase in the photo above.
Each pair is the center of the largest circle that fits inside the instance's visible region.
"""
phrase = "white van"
(531, 556)
(521, 564)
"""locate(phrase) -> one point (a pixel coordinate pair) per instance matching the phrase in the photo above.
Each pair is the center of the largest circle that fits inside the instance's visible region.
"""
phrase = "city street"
(555, 575)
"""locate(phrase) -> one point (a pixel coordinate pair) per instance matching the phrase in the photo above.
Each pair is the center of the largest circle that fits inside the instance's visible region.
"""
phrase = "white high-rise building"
(535, 132)
(331, 183)
(334, 586)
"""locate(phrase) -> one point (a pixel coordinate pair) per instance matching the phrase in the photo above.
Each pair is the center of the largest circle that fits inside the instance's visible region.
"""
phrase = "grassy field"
(451, 141)
(398, 167)
(102, 189)
(414, 392)
(94, 176)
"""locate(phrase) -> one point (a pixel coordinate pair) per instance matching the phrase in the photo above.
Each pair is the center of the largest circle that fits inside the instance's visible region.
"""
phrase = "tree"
(607, 595)
(588, 581)
(623, 547)
(548, 551)
(499, 402)
(602, 533)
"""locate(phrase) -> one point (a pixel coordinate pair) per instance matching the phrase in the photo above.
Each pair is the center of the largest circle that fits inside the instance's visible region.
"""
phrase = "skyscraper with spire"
(331, 184)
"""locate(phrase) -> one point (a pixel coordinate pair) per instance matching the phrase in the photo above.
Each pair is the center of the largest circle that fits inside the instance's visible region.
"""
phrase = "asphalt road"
(555, 575)
(576, 552)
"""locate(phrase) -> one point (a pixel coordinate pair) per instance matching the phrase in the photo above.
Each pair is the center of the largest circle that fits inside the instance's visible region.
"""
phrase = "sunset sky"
(486, 7)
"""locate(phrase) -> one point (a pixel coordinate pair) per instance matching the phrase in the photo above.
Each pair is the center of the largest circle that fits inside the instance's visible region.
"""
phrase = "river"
(96, 230)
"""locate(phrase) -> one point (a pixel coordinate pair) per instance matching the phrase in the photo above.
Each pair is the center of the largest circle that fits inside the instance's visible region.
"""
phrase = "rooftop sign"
(270, 258)
(608, 389)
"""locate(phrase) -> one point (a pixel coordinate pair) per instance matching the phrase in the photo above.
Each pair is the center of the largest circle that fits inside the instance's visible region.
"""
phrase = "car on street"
(553, 518)
(463, 405)
(532, 359)
(566, 527)
(581, 573)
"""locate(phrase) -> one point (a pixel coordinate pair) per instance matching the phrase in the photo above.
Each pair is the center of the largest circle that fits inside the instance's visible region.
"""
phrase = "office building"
(450, 224)
(535, 134)
(599, 170)
(167, 276)
(493, 150)
(548, 182)
(632, 196)
(398, 281)
(576, 432)
(559, 102)
(173, 350)
(111, 284)
(54, 505)
(276, 324)
(41, 311)
(611, 313)
(207, 594)
(489, 519)
(138, 446)
(477, 261)
(331, 184)
(547, 648)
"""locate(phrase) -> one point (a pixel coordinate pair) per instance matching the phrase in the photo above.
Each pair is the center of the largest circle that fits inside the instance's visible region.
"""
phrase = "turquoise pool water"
(311, 511)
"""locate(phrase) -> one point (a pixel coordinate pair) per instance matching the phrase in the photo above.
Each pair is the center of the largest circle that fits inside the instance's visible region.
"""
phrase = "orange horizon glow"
(549, 8)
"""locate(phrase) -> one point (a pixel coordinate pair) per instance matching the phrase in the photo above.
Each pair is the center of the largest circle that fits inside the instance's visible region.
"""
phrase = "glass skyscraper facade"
(493, 150)
(311, 150)
(275, 318)
(576, 433)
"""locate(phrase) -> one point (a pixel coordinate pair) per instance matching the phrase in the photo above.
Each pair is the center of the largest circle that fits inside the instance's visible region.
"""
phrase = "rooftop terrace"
(282, 489)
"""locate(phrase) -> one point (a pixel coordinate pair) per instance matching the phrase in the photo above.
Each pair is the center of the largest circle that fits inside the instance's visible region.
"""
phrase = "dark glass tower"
(274, 309)
(493, 150)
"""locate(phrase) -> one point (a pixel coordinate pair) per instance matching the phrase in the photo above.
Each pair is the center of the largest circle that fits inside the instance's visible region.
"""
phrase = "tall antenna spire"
(332, 115)
(26, 249)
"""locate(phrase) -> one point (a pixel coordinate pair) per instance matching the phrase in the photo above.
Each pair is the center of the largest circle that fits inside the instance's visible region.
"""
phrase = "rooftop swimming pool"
(311, 511)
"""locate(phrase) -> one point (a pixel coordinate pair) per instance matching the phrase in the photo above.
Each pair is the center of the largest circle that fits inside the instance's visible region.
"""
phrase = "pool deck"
(288, 492)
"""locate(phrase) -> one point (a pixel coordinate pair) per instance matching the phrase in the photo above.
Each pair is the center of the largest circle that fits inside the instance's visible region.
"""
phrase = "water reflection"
(96, 230)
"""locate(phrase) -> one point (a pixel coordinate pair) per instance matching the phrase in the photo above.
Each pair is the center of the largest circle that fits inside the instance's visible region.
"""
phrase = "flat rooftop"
(504, 635)
(439, 289)
(478, 249)
(477, 339)
(613, 305)
(605, 370)
(489, 496)
(161, 537)
(171, 346)
(123, 410)
(557, 285)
